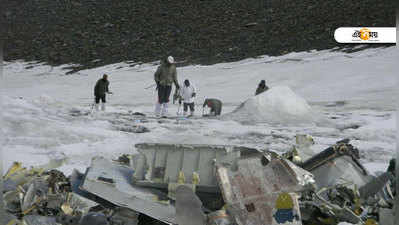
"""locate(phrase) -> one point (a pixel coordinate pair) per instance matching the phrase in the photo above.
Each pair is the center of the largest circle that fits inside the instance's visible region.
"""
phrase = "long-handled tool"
(153, 85)
(178, 109)
(92, 106)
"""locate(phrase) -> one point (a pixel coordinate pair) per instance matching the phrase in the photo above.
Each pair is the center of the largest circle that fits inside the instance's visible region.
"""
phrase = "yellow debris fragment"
(181, 179)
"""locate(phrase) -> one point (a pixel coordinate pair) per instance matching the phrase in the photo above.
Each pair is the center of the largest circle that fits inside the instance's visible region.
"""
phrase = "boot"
(185, 113)
(103, 106)
(164, 109)
(97, 106)
(191, 113)
(157, 109)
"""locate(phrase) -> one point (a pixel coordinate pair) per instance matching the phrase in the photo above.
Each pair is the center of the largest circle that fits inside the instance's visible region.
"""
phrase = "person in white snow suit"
(164, 77)
(188, 93)
(100, 89)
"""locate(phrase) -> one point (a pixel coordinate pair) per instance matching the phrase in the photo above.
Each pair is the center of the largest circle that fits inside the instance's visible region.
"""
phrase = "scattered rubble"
(134, 129)
(204, 185)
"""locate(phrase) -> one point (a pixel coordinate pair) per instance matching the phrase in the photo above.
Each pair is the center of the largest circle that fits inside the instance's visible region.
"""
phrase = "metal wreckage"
(205, 185)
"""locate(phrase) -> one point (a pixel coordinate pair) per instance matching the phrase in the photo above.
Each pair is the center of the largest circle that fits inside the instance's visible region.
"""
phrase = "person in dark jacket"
(392, 166)
(214, 104)
(261, 87)
(392, 169)
(164, 77)
(101, 88)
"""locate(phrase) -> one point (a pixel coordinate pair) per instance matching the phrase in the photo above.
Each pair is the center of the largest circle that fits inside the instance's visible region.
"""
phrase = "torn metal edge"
(86, 179)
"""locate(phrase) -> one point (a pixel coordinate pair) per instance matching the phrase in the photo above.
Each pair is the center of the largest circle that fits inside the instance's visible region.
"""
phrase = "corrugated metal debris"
(204, 185)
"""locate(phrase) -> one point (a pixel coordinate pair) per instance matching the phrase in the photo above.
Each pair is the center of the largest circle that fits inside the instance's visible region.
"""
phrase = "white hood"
(187, 92)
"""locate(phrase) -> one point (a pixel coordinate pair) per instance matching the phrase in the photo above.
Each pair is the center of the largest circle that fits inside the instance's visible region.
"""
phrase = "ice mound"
(277, 105)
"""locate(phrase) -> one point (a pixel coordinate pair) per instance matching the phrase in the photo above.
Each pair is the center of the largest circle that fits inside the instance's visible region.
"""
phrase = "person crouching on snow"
(215, 105)
(164, 77)
(100, 89)
(188, 94)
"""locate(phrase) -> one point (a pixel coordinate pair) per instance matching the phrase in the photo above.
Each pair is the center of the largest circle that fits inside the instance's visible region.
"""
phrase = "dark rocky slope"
(194, 31)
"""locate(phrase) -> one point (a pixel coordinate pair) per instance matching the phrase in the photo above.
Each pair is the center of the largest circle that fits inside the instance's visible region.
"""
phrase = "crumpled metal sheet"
(374, 186)
(337, 164)
(17, 175)
(77, 180)
(188, 207)
(77, 204)
(12, 201)
(257, 187)
(9, 219)
(39, 220)
(219, 217)
(164, 163)
(387, 217)
(339, 171)
(37, 190)
(94, 218)
(112, 182)
(124, 216)
(259, 191)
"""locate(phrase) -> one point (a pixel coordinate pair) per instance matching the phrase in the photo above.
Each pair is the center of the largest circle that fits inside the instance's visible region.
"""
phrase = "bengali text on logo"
(365, 35)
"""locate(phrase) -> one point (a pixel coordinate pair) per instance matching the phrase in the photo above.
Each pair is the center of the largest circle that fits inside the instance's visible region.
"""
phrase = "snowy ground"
(45, 111)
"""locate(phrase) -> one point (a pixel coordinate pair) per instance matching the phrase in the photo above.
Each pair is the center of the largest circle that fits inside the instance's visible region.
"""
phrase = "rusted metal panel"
(258, 191)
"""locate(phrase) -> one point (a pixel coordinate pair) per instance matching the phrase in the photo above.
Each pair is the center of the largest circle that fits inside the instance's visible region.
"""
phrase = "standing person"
(188, 94)
(164, 77)
(261, 87)
(214, 104)
(101, 88)
(392, 170)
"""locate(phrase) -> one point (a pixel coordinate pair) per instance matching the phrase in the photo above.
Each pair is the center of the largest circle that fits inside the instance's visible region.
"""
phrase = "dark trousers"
(186, 105)
(216, 110)
(164, 93)
(100, 97)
